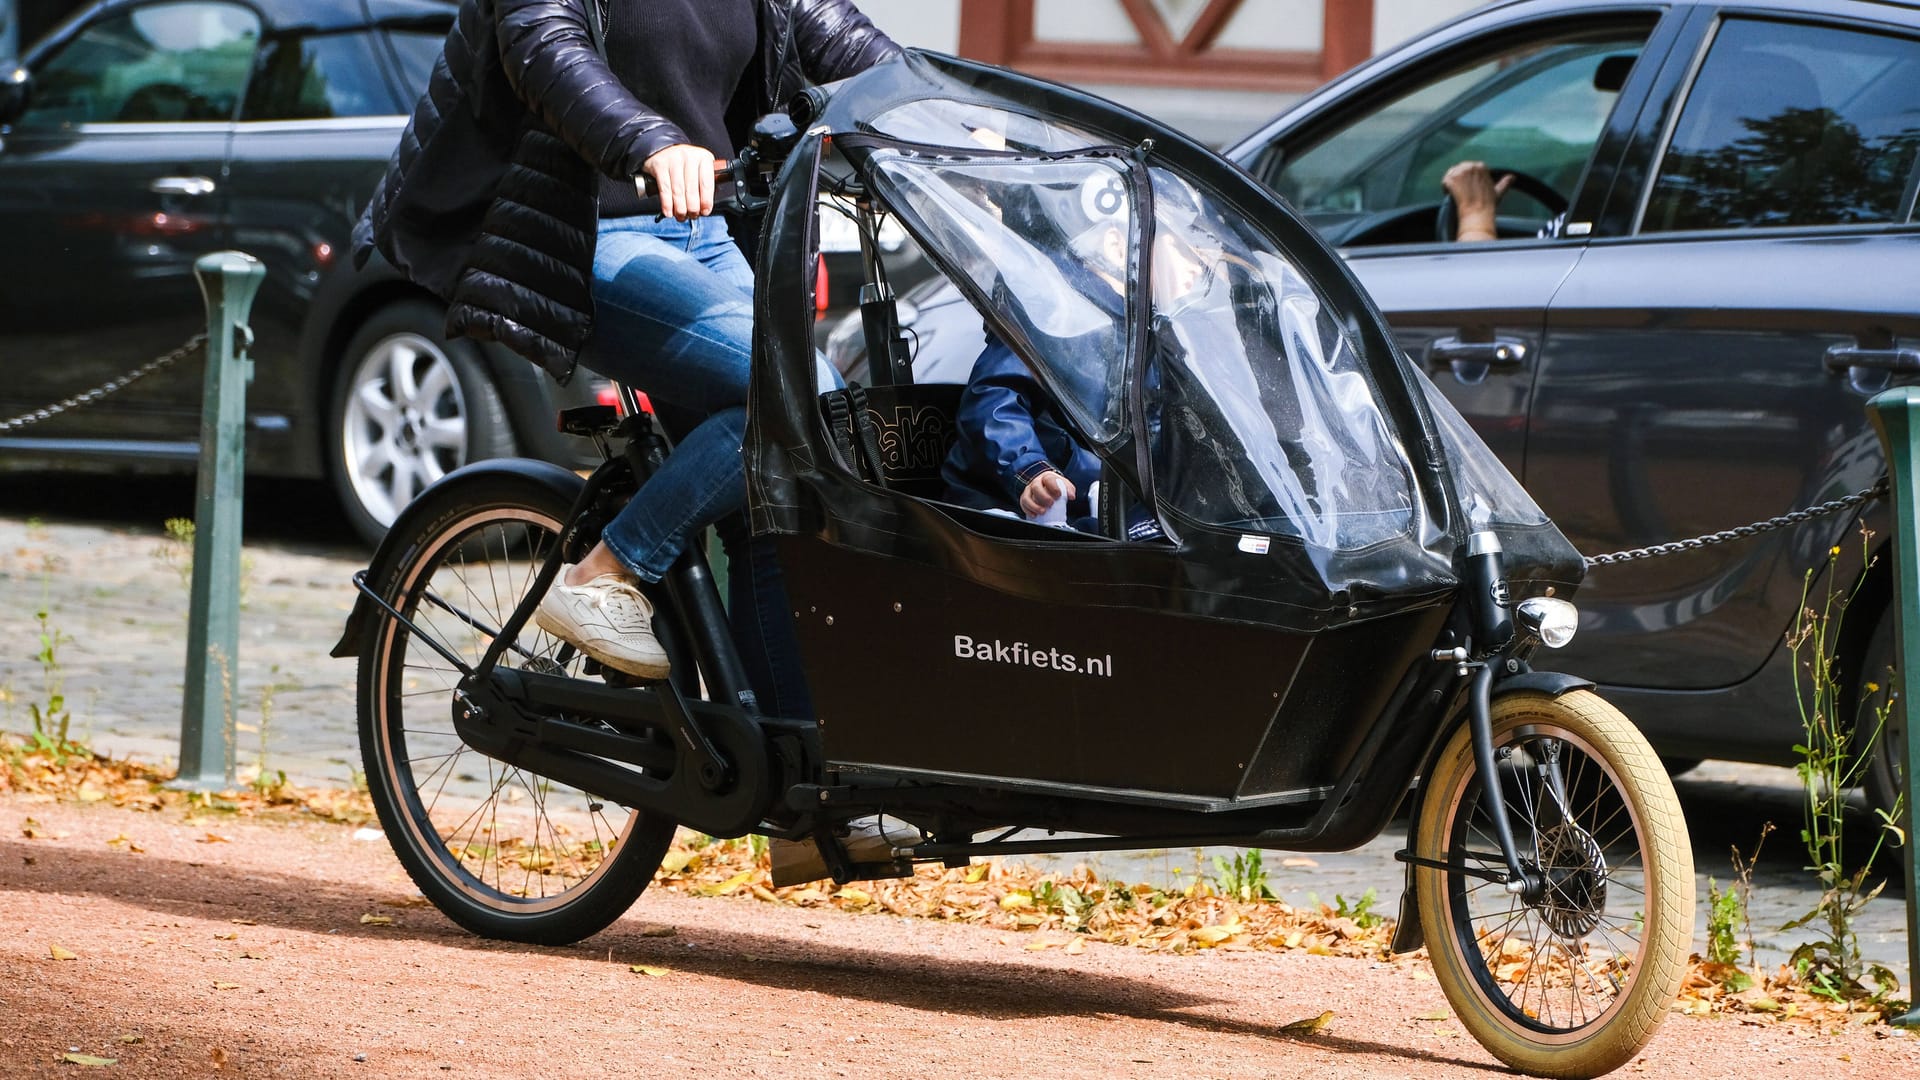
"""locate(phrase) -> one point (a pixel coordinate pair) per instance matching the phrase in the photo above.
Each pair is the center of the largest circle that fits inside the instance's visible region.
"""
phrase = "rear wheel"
(1573, 981)
(502, 851)
(408, 407)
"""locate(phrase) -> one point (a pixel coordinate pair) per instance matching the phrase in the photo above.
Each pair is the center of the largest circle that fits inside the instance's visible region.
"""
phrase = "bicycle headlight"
(1552, 621)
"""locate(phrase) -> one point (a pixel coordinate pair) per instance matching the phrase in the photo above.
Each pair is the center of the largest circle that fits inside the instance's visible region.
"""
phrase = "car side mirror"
(16, 91)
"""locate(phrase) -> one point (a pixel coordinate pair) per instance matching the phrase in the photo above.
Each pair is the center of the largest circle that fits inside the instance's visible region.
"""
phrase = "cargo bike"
(1306, 596)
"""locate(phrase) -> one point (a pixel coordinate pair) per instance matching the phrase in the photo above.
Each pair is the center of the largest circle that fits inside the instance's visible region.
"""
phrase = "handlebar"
(741, 184)
(721, 168)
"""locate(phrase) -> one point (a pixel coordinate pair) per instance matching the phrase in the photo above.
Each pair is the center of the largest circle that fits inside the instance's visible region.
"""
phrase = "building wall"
(1394, 21)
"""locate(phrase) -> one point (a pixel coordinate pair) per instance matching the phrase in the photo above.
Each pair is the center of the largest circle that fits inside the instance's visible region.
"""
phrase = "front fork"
(1483, 660)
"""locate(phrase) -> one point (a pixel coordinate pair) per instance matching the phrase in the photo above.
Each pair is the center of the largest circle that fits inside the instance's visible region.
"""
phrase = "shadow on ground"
(298, 514)
(916, 980)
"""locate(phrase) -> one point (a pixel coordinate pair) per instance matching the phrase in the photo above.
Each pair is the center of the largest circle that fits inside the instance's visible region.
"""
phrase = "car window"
(415, 53)
(162, 63)
(318, 77)
(1538, 109)
(1793, 124)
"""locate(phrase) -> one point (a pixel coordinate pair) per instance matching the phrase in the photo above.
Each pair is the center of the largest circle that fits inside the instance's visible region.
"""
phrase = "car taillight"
(604, 393)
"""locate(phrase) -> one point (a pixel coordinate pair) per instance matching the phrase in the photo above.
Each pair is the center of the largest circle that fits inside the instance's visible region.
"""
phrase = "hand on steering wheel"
(1473, 194)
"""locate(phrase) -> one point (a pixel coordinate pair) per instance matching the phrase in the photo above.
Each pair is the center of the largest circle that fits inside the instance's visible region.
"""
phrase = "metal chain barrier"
(1786, 520)
(192, 345)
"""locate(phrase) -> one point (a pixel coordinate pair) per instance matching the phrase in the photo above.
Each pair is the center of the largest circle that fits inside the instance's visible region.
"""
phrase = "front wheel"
(1572, 981)
(504, 852)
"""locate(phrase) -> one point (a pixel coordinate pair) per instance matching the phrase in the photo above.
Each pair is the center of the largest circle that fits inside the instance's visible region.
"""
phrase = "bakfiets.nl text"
(1021, 654)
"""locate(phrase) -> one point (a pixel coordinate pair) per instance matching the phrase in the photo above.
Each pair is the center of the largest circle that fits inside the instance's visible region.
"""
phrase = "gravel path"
(240, 945)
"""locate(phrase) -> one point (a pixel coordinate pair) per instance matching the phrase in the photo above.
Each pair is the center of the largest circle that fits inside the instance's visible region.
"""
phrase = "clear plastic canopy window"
(1259, 418)
(939, 122)
(1048, 242)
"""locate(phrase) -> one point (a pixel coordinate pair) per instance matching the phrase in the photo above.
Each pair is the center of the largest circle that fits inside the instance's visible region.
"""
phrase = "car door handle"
(191, 186)
(1500, 352)
(1848, 357)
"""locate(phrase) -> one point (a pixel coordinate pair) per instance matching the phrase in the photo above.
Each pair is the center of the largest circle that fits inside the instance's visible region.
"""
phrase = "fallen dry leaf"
(225, 986)
(213, 838)
(376, 920)
(1310, 1026)
(88, 1059)
(59, 953)
(651, 972)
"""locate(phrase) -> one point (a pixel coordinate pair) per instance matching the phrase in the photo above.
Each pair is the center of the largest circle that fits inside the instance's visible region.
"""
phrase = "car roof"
(285, 15)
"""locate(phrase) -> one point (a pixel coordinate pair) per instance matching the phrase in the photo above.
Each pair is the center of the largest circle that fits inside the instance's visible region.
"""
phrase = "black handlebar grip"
(646, 186)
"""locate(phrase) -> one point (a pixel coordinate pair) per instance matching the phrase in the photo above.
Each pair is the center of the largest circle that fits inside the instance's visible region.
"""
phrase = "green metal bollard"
(229, 280)
(1896, 416)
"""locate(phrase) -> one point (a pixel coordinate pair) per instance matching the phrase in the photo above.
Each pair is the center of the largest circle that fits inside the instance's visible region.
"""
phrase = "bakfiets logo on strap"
(1021, 654)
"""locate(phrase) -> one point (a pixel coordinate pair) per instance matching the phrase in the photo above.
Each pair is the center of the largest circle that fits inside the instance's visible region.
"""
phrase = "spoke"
(401, 380)
(437, 383)
(377, 406)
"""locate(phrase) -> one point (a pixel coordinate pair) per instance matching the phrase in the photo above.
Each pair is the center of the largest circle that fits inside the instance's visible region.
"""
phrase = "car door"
(321, 117)
(1708, 359)
(111, 186)
(1550, 97)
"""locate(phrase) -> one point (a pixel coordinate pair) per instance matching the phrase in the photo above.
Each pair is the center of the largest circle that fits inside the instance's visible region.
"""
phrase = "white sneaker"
(609, 619)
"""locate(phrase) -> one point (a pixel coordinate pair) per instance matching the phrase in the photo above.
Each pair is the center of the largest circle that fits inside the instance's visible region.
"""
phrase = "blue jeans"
(674, 318)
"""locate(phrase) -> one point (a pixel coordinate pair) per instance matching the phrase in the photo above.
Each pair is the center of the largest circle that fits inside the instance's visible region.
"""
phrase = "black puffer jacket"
(490, 199)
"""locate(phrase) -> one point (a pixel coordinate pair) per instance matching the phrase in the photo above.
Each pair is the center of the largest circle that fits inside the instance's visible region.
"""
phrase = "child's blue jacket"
(1010, 431)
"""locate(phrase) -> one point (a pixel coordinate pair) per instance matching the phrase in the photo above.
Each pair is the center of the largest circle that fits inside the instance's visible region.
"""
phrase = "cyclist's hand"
(683, 177)
(1043, 491)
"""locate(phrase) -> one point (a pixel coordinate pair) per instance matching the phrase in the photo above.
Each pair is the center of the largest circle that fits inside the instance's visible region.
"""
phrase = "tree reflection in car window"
(318, 77)
(163, 63)
(1538, 109)
(1790, 124)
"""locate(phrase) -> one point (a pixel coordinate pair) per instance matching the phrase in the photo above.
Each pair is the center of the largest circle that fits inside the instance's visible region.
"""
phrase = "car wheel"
(1886, 768)
(408, 407)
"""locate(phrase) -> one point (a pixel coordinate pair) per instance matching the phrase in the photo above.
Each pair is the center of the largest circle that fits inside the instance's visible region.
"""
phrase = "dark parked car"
(150, 132)
(1675, 333)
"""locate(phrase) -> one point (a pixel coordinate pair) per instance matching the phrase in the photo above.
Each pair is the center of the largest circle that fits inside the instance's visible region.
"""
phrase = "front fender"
(462, 488)
(1408, 934)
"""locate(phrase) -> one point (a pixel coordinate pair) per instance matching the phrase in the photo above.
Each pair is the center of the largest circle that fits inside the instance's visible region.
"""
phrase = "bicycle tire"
(547, 890)
(1614, 807)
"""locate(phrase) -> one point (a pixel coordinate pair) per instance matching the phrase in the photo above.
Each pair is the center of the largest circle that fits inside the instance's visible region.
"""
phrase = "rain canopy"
(1200, 337)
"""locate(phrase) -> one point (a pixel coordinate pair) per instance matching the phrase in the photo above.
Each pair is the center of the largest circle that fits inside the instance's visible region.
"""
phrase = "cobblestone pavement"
(113, 589)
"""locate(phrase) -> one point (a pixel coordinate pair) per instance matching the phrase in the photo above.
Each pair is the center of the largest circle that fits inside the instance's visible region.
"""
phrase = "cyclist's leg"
(667, 320)
(684, 336)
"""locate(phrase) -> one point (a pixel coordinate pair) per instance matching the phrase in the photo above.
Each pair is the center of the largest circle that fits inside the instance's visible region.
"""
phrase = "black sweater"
(684, 59)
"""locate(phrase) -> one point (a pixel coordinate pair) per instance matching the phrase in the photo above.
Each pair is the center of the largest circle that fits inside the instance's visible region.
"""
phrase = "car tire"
(1886, 767)
(407, 407)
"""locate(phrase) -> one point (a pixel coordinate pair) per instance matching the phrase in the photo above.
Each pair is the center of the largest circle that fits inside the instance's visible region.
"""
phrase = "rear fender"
(464, 486)
(1407, 933)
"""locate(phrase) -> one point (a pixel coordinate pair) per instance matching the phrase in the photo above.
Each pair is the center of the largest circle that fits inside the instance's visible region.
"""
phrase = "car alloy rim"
(405, 423)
